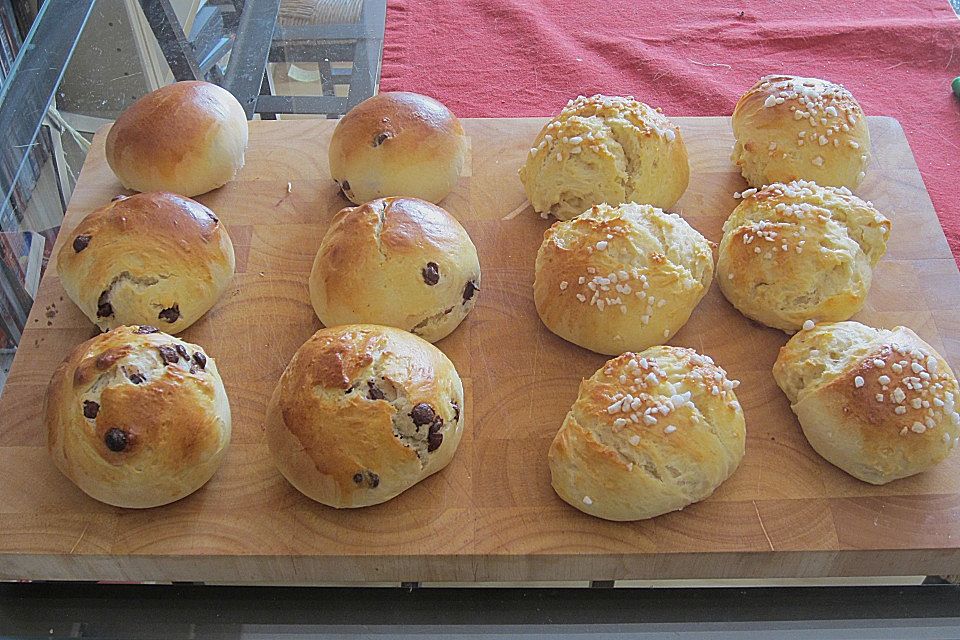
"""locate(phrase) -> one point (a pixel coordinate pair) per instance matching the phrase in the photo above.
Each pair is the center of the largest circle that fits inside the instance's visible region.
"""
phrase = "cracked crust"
(362, 413)
(141, 257)
(400, 262)
(137, 418)
(397, 144)
(605, 149)
(188, 137)
(792, 128)
(649, 433)
(798, 251)
(879, 404)
(637, 291)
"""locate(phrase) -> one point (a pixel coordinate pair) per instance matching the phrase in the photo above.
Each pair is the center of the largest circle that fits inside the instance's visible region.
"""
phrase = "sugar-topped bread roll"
(798, 251)
(151, 258)
(398, 144)
(363, 413)
(137, 418)
(879, 404)
(650, 433)
(605, 149)
(187, 137)
(792, 128)
(400, 262)
(623, 278)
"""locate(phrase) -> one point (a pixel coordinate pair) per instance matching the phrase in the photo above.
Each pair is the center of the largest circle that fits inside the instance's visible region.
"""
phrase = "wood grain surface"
(491, 515)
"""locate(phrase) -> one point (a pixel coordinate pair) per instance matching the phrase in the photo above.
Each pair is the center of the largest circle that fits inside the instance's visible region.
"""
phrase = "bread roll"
(623, 278)
(363, 413)
(879, 404)
(188, 137)
(605, 149)
(397, 144)
(798, 251)
(649, 433)
(137, 418)
(791, 128)
(152, 258)
(400, 262)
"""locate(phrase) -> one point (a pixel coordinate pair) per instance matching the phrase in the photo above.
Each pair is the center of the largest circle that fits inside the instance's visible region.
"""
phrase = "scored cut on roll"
(794, 128)
(879, 404)
(621, 278)
(401, 262)
(605, 149)
(363, 413)
(137, 418)
(649, 433)
(799, 251)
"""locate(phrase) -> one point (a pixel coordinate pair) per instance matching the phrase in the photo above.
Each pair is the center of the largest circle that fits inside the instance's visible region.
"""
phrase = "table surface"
(491, 515)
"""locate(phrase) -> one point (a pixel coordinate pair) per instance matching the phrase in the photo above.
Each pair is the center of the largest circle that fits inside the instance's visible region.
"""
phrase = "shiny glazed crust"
(879, 404)
(151, 258)
(397, 144)
(188, 137)
(362, 413)
(621, 278)
(400, 262)
(792, 128)
(137, 418)
(649, 433)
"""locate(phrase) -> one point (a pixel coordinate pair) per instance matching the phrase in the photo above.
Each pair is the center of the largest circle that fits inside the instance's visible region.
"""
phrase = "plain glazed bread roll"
(649, 433)
(188, 137)
(796, 252)
(623, 278)
(400, 262)
(397, 144)
(791, 128)
(137, 418)
(879, 404)
(363, 413)
(151, 258)
(605, 149)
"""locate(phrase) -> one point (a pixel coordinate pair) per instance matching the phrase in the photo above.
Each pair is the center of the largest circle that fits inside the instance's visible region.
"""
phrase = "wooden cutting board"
(491, 515)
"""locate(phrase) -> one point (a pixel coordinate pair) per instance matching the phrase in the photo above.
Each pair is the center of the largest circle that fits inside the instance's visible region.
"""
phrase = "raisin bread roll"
(621, 278)
(799, 251)
(397, 144)
(791, 128)
(879, 404)
(151, 258)
(188, 137)
(400, 262)
(137, 418)
(605, 149)
(363, 413)
(650, 433)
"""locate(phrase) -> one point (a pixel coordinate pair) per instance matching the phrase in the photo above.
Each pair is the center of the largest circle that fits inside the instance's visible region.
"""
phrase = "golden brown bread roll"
(397, 144)
(792, 128)
(649, 433)
(400, 262)
(798, 251)
(137, 418)
(363, 413)
(605, 149)
(623, 278)
(879, 404)
(151, 258)
(188, 137)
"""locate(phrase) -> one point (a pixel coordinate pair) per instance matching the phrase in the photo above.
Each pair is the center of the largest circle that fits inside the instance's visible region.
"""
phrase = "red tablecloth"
(523, 58)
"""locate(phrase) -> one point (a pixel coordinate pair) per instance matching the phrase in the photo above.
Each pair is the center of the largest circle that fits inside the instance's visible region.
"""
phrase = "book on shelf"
(22, 256)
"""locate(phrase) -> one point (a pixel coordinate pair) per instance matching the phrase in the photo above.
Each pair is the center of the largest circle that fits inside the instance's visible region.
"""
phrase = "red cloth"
(521, 58)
